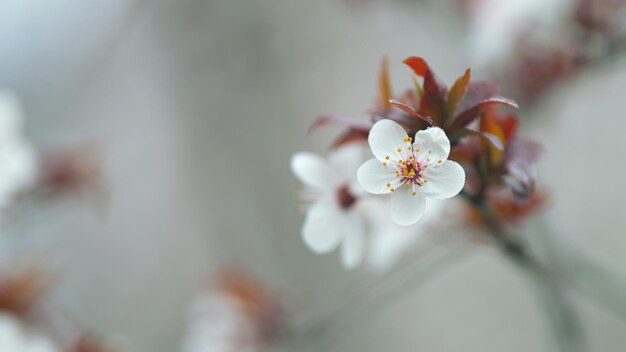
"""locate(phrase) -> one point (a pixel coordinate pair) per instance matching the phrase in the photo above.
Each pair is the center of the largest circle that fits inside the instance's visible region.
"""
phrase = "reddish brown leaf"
(433, 102)
(466, 117)
(417, 64)
(465, 132)
(458, 90)
(490, 124)
(350, 136)
(384, 86)
(346, 121)
(412, 112)
(477, 91)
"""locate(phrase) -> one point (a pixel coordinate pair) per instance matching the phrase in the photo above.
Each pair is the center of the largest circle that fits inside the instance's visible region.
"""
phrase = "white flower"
(497, 24)
(334, 216)
(14, 338)
(219, 324)
(18, 160)
(388, 241)
(412, 170)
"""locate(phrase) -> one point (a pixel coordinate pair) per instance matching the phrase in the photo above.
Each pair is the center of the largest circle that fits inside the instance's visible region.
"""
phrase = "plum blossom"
(333, 217)
(14, 338)
(388, 241)
(219, 324)
(17, 157)
(410, 170)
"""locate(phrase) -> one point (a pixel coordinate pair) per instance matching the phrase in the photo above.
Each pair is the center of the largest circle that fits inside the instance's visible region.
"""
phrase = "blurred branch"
(552, 293)
(430, 260)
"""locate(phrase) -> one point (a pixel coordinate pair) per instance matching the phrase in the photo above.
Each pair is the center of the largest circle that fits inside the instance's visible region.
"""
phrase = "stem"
(563, 316)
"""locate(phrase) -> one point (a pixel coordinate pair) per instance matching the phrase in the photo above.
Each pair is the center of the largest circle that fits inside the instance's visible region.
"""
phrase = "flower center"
(409, 171)
(345, 198)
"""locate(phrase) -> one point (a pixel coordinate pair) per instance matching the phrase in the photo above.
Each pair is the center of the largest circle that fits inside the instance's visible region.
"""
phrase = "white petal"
(436, 135)
(347, 159)
(406, 208)
(352, 249)
(311, 170)
(373, 176)
(444, 181)
(385, 138)
(428, 152)
(326, 225)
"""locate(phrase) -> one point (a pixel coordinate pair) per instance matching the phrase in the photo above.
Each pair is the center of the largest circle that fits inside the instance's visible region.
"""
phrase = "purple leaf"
(466, 117)
(412, 112)
(477, 91)
(434, 99)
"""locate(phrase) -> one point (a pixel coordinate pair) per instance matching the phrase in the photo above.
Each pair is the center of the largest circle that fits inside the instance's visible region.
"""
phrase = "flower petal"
(429, 153)
(406, 208)
(444, 181)
(436, 135)
(311, 170)
(385, 137)
(373, 176)
(353, 249)
(326, 225)
(345, 160)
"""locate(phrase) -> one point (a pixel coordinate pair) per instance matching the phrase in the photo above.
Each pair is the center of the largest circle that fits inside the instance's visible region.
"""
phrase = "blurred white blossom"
(15, 338)
(497, 24)
(388, 241)
(334, 215)
(18, 161)
(219, 323)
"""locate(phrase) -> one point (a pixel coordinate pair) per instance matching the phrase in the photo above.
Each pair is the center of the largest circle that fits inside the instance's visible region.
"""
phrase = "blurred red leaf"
(466, 117)
(489, 137)
(350, 136)
(477, 91)
(412, 112)
(384, 86)
(417, 64)
(458, 90)
(346, 121)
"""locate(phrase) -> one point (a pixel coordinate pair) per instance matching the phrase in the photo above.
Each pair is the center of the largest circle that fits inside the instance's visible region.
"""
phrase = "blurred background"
(194, 107)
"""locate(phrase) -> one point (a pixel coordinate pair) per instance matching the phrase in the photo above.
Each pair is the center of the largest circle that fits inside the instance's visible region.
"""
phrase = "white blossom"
(219, 324)
(410, 170)
(334, 217)
(18, 161)
(14, 338)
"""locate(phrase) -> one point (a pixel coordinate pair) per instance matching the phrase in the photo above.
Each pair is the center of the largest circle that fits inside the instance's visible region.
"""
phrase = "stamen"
(439, 161)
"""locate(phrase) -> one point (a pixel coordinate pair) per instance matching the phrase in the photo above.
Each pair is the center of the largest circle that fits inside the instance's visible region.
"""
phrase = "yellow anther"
(399, 150)
(388, 184)
(384, 163)
(387, 157)
(430, 151)
(425, 180)
(414, 193)
(439, 161)
(406, 184)
(417, 150)
(391, 189)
